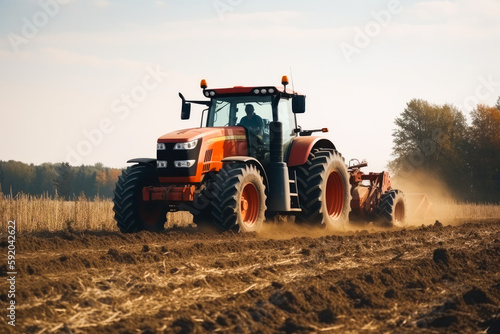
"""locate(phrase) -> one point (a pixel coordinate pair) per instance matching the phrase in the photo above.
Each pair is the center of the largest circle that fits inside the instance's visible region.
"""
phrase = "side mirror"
(186, 108)
(299, 104)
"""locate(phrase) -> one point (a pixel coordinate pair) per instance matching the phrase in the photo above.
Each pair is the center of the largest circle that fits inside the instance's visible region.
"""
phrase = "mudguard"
(249, 160)
(302, 146)
(143, 161)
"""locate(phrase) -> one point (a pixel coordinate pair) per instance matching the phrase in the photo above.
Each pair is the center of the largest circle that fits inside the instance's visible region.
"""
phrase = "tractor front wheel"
(391, 211)
(132, 214)
(239, 202)
(202, 206)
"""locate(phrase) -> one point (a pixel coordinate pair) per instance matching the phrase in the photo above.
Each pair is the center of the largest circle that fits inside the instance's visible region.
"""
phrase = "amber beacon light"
(284, 80)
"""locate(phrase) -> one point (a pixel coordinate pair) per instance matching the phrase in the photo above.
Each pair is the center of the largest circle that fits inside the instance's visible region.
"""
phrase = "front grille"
(208, 158)
(170, 155)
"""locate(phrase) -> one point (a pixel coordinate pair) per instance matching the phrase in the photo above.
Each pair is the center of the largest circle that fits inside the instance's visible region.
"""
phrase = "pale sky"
(98, 81)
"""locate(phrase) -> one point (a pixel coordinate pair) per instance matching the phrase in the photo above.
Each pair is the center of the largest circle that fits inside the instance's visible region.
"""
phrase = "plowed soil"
(421, 279)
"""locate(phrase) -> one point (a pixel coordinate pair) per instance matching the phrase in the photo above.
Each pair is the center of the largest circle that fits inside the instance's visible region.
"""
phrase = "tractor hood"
(186, 135)
(184, 156)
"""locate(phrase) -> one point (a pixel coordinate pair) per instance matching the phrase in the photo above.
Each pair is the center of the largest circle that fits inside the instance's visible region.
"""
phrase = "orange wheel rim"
(334, 195)
(249, 204)
(399, 212)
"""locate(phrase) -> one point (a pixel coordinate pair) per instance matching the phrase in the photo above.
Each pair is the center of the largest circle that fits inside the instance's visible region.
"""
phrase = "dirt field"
(422, 279)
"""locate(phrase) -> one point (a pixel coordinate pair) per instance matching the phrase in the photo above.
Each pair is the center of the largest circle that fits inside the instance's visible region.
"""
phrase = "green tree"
(64, 179)
(44, 181)
(84, 181)
(17, 176)
(484, 153)
(431, 138)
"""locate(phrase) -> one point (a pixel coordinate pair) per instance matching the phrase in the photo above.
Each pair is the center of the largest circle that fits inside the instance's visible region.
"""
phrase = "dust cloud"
(424, 183)
(427, 197)
(443, 206)
(286, 228)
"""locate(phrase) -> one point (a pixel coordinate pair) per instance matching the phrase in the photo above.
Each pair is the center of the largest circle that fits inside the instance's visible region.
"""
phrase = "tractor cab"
(255, 109)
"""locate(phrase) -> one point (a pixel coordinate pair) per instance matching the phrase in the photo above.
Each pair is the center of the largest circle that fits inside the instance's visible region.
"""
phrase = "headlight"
(184, 163)
(186, 146)
(161, 164)
(160, 146)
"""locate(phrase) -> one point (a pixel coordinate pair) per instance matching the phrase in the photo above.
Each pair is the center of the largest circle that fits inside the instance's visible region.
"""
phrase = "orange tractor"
(247, 163)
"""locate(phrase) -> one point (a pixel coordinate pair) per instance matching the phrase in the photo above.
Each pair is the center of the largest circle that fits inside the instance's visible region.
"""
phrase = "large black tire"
(202, 204)
(132, 214)
(391, 211)
(324, 190)
(239, 202)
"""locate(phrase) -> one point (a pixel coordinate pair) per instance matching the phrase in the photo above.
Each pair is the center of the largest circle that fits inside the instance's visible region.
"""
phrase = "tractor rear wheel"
(132, 214)
(324, 190)
(391, 211)
(239, 202)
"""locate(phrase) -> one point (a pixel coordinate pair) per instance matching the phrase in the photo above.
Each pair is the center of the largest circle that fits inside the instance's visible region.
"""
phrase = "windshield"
(229, 111)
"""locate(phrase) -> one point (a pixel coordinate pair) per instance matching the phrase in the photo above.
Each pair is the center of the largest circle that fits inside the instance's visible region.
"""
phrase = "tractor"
(246, 164)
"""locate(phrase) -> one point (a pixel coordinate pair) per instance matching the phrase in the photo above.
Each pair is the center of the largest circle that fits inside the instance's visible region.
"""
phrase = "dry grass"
(453, 210)
(42, 213)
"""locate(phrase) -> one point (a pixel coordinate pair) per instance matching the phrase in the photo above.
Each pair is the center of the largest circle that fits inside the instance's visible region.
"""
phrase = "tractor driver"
(254, 125)
(252, 122)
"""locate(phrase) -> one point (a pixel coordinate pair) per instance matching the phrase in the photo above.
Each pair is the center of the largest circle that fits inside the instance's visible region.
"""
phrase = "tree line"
(438, 140)
(57, 180)
(429, 138)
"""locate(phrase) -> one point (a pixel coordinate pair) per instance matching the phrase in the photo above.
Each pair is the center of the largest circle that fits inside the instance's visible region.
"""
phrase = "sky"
(98, 80)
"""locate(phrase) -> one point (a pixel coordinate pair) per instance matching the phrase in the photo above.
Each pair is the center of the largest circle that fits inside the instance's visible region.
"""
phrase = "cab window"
(287, 118)
(229, 111)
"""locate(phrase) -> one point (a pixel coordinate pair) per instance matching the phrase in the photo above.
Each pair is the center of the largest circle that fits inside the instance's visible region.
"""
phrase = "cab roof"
(245, 90)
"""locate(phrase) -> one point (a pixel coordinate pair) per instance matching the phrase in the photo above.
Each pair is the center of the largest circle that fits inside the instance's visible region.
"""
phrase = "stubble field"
(74, 278)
